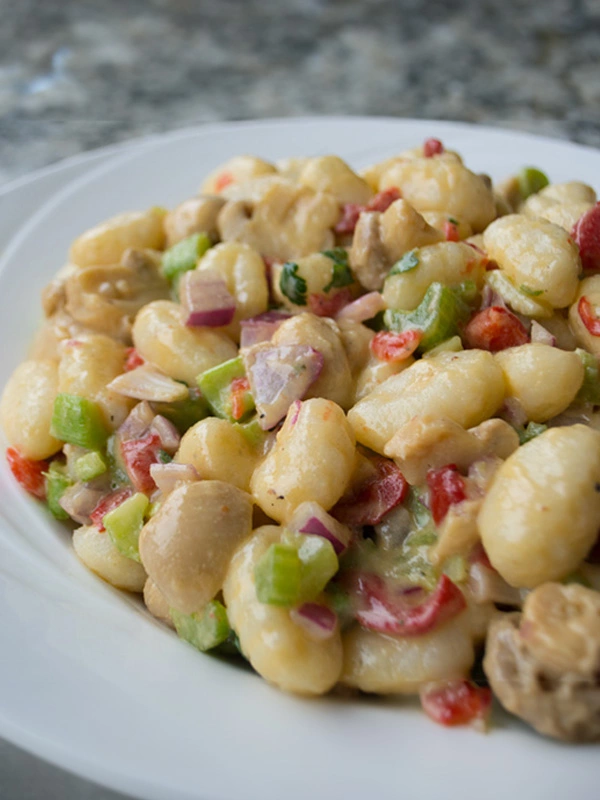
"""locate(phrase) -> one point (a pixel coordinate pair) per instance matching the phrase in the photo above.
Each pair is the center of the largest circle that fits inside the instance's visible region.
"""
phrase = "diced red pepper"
(451, 231)
(587, 312)
(386, 613)
(28, 473)
(457, 702)
(495, 328)
(352, 211)
(133, 359)
(395, 347)
(586, 235)
(328, 305)
(350, 214)
(432, 147)
(369, 502)
(138, 457)
(223, 180)
(447, 487)
(383, 200)
(109, 503)
(239, 387)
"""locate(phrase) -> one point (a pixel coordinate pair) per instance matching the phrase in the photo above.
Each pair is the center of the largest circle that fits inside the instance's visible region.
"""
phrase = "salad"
(343, 425)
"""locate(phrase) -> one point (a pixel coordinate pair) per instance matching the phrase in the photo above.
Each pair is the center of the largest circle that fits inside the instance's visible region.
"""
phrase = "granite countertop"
(80, 74)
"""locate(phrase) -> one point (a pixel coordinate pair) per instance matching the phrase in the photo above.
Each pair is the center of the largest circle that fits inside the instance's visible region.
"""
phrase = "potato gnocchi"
(341, 424)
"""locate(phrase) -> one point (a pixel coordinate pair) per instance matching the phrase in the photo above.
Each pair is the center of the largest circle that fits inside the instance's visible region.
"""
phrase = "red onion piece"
(149, 383)
(260, 328)
(366, 307)
(79, 501)
(490, 297)
(319, 622)
(137, 423)
(205, 299)
(310, 518)
(278, 376)
(541, 335)
(513, 412)
(167, 432)
(168, 476)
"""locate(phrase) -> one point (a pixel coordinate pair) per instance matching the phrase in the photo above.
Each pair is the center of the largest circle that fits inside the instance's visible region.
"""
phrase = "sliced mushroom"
(381, 239)
(107, 298)
(196, 215)
(543, 665)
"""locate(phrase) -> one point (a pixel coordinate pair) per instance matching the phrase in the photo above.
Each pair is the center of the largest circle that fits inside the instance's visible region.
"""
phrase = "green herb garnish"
(342, 276)
(407, 263)
(292, 285)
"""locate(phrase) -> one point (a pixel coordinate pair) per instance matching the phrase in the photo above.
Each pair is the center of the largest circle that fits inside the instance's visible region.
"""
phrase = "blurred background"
(82, 74)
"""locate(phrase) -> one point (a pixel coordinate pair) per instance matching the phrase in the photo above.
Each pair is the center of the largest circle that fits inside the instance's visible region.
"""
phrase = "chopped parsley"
(530, 292)
(452, 221)
(408, 262)
(342, 276)
(292, 285)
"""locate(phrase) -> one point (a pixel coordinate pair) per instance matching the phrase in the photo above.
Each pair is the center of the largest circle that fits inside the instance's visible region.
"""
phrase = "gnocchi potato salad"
(343, 425)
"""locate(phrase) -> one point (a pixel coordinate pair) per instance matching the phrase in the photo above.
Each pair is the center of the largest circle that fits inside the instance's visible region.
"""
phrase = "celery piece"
(184, 255)
(456, 569)
(437, 316)
(215, 385)
(590, 388)
(278, 575)
(452, 345)
(184, 413)
(57, 482)
(532, 430)
(421, 516)
(531, 180)
(78, 421)
(124, 523)
(319, 563)
(90, 466)
(118, 474)
(205, 629)
(414, 565)
(252, 432)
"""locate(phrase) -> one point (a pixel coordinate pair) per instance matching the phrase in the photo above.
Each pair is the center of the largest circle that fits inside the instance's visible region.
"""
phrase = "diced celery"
(164, 457)
(90, 466)
(253, 433)
(531, 180)
(118, 474)
(204, 630)
(153, 508)
(590, 388)
(532, 430)
(79, 421)
(452, 345)
(184, 413)
(421, 515)
(319, 563)
(57, 482)
(184, 255)
(456, 569)
(414, 565)
(278, 575)
(124, 524)
(437, 316)
(215, 385)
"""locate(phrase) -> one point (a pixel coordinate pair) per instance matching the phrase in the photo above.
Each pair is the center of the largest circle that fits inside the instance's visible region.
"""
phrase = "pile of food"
(343, 424)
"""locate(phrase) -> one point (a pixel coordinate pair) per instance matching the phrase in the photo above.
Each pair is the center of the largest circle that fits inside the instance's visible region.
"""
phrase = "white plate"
(90, 682)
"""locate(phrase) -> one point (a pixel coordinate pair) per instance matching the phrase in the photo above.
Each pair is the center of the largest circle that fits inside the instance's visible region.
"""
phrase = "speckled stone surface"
(80, 74)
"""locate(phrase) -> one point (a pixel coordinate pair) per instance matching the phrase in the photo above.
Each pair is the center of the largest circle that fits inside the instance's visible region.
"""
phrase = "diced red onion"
(366, 307)
(541, 335)
(490, 297)
(79, 501)
(278, 376)
(310, 518)
(513, 412)
(205, 299)
(319, 622)
(167, 476)
(167, 432)
(294, 412)
(137, 423)
(149, 383)
(260, 328)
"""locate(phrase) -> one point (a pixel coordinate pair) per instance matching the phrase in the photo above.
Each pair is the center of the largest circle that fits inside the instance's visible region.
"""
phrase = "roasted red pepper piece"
(395, 347)
(28, 473)
(223, 180)
(451, 231)
(239, 387)
(352, 211)
(588, 316)
(133, 359)
(586, 235)
(446, 487)
(457, 702)
(328, 305)
(138, 457)
(368, 503)
(495, 328)
(109, 503)
(432, 147)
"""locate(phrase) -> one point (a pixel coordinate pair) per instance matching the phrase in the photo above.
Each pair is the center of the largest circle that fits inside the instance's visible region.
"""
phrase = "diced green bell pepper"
(253, 433)
(78, 421)
(184, 413)
(319, 563)
(532, 430)
(124, 523)
(184, 255)
(215, 385)
(204, 630)
(57, 482)
(531, 180)
(90, 466)
(590, 388)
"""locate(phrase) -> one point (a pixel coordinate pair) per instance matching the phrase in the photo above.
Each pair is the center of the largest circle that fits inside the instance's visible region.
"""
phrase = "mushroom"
(380, 239)
(187, 545)
(544, 665)
(196, 215)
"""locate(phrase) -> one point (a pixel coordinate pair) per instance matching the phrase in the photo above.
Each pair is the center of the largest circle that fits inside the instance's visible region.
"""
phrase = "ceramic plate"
(92, 683)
